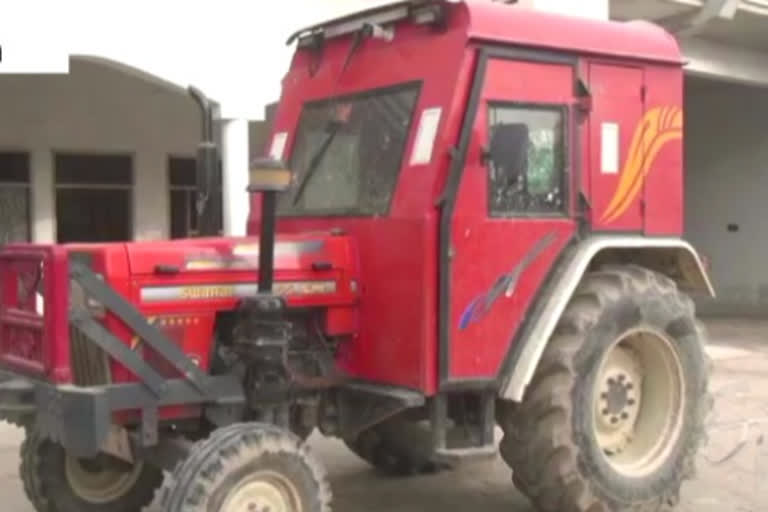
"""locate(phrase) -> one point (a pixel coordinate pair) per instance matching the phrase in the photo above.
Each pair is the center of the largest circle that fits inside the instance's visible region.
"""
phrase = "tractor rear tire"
(615, 413)
(57, 482)
(248, 466)
(397, 447)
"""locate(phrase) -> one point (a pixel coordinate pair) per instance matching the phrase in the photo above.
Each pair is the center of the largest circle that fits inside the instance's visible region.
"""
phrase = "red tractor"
(481, 227)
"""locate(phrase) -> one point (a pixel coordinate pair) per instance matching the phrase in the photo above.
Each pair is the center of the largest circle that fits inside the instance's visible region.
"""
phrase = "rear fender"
(670, 256)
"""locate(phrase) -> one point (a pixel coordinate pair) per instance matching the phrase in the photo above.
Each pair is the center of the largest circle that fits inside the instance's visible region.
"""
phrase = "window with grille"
(94, 197)
(182, 187)
(15, 201)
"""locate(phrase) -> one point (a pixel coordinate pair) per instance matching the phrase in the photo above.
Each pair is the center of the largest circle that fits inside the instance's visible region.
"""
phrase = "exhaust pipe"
(208, 208)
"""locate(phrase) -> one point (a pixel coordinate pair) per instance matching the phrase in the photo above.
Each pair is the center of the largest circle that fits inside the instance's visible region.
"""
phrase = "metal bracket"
(363, 405)
(132, 317)
(118, 444)
(99, 335)
(149, 426)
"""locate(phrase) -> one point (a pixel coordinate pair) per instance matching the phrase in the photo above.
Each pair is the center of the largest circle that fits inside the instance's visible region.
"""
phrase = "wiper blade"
(335, 126)
(314, 163)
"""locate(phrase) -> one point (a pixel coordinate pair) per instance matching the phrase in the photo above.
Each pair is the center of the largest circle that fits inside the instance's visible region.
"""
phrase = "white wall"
(98, 109)
(727, 183)
(234, 51)
(725, 62)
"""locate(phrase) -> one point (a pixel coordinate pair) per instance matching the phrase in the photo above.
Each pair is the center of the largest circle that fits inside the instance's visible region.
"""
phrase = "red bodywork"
(422, 305)
(630, 69)
(184, 303)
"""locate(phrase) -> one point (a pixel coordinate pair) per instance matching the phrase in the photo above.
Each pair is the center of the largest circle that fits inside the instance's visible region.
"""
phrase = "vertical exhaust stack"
(269, 177)
(208, 194)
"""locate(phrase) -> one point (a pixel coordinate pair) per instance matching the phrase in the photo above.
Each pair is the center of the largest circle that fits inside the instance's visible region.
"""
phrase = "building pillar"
(151, 204)
(597, 9)
(43, 196)
(235, 176)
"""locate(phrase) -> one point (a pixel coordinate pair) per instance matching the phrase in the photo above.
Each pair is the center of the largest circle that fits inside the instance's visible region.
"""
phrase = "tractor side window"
(526, 160)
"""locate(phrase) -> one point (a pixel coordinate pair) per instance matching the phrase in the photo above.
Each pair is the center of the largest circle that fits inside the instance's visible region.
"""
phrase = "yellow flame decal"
(658, 127)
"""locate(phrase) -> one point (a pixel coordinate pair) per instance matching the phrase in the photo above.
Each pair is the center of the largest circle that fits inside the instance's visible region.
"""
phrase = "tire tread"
(192, 481)
(537, 442)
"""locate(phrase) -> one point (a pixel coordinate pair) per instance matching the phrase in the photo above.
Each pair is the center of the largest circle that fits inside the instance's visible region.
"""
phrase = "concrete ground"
(733, 468)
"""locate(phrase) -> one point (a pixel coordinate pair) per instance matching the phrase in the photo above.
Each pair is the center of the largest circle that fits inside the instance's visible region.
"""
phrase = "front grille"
(90, 364)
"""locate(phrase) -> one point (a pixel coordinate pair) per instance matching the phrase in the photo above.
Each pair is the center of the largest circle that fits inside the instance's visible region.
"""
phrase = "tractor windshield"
(348, 153)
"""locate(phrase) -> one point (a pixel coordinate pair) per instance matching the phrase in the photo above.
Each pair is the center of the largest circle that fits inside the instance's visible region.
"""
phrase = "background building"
(725, 43)
(105, 151)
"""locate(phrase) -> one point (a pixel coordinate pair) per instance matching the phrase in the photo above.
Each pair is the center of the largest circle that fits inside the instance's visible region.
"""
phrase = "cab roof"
(494, 22)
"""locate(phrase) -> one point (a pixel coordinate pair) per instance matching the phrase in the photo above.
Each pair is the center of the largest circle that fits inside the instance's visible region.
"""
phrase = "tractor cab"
(464, 147)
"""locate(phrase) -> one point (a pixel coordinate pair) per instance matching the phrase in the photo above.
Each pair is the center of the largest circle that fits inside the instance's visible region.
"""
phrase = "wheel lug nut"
(611, 382)
(604, 396)
(614, 419)
(624, 415)
(605, 412)
(629, 386)
(622, 378)
(631, 401)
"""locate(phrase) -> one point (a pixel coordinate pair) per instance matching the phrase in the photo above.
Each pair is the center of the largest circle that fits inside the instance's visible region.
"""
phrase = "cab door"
(511, 213)
(616, 142)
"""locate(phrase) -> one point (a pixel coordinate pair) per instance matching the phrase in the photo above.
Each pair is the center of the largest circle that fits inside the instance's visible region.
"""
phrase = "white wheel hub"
(638, 402)
(263, 492)
(618, 405)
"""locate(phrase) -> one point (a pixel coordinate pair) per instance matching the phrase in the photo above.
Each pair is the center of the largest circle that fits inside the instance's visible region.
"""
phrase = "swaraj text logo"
(658, 127)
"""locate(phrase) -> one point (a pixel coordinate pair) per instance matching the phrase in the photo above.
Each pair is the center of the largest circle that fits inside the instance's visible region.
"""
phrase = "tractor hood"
(294, 252)
(319, 265)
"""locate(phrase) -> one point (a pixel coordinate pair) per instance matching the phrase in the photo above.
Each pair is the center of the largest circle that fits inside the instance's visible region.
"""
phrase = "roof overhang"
(721, 39)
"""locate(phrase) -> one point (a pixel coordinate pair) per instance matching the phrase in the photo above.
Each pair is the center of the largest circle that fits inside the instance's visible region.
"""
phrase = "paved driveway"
(733, 470)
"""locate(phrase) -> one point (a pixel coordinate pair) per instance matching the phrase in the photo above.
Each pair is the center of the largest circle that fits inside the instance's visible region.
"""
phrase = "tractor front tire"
(55, 481)
(397, 447)
(248, 466)
(615, 413)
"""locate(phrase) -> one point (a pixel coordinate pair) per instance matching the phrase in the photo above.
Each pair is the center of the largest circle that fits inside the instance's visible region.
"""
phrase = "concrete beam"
(692, 22)
(723, 62)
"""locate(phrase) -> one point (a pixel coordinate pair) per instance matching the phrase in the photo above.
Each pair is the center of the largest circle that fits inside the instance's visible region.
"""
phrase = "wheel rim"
(263, 492)
(639, 399)
(100, 480)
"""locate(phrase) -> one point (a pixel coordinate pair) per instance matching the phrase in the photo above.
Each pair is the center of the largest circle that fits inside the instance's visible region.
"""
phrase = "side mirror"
(268, 175)
(508, 146)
